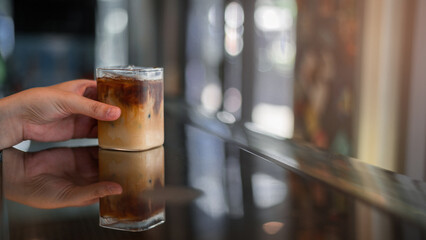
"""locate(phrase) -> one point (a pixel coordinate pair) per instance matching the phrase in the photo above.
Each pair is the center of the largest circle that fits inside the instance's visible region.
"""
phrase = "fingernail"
(113, 112)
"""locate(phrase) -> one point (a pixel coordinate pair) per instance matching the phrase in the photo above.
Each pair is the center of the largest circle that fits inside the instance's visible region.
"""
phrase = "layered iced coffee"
(137, 173)
(138, 92)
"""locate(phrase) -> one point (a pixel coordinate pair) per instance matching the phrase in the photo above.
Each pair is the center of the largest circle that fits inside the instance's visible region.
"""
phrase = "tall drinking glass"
(138, 92)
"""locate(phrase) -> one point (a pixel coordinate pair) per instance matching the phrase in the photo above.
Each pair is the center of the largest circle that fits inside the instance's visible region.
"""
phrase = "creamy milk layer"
(141, 124)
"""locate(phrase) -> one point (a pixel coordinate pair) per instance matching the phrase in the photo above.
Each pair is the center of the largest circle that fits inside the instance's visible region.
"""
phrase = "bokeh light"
(232, 100)
(271, 18)
(272, 227)
(234, 20)
(211, 97)
(116, 21)
(274, 119)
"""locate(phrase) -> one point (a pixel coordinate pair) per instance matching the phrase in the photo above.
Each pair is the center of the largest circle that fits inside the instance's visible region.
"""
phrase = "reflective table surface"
(210, 181)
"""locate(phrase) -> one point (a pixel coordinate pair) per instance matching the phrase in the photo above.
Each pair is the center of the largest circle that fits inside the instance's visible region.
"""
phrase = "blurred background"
(344, 75)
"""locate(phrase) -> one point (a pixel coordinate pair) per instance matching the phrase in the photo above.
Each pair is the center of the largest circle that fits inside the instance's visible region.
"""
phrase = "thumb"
(100, 111)
(85, 195)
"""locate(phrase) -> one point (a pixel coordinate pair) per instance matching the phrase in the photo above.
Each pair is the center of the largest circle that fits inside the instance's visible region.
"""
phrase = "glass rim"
(131, 68)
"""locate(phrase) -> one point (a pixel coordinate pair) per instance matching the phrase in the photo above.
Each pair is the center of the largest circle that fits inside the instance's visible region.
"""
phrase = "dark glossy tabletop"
(220, 183)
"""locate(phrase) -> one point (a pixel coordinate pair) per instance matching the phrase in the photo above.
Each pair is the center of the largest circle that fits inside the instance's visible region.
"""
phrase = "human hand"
(56, 113)
(55, 178)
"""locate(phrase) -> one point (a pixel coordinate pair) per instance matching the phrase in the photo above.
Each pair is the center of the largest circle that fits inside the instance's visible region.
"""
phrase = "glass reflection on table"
(137, 173)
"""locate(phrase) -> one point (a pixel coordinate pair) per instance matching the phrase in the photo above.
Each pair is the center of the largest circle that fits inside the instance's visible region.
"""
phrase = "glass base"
(128, 150)
(132, 226)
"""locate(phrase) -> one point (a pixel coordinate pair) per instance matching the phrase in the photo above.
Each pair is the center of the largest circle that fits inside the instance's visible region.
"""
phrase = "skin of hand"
(55, 178)
(55, 113)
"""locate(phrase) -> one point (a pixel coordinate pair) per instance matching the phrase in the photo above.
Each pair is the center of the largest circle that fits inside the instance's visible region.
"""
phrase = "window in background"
(240, 62)
(275, 52)
(204, 54)
(112, 33)
(144, 29)
(233, 62)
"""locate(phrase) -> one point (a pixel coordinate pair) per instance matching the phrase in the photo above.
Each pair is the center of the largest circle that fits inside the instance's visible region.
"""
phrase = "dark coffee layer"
(129, 91)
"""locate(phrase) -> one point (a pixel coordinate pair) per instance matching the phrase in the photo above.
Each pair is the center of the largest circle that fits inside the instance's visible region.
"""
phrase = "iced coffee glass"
(139, 173)
(138, 92)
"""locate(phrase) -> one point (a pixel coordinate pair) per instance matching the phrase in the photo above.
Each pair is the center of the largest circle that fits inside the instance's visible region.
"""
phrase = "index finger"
(76, 86)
